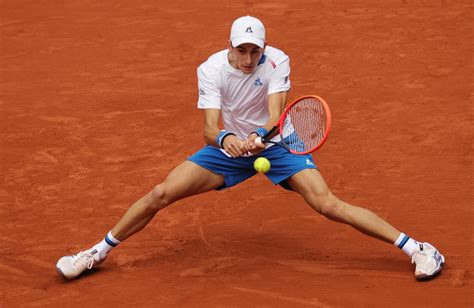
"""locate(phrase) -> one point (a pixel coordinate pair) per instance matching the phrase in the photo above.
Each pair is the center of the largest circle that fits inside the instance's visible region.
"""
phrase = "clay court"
(98, 104)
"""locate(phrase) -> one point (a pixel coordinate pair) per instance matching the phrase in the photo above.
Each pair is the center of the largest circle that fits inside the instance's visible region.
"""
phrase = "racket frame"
(279, 125)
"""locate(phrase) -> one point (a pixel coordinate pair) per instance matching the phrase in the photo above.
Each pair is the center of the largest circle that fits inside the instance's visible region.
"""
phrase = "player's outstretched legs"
(311, 185)
(186, 180)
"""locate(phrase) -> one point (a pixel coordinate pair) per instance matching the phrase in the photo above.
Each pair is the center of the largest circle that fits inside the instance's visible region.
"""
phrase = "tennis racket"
(303, 127)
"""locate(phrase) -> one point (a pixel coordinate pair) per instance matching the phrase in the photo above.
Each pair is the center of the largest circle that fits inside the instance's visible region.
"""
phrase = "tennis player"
(247, 84)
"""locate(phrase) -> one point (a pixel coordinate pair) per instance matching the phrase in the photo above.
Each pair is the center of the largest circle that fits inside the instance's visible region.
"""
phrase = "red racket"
(303, 127)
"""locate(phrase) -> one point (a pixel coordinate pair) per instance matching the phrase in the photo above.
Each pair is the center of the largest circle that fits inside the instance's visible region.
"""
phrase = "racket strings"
(305, 125)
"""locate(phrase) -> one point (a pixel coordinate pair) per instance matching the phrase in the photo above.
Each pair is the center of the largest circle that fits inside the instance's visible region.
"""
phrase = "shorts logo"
(285, 80)
(308, 162)
(258, 83)
(201, 92)
(249, 30)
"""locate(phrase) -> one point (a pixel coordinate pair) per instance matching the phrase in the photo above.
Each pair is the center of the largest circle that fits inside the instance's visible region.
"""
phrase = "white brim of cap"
(245, 39)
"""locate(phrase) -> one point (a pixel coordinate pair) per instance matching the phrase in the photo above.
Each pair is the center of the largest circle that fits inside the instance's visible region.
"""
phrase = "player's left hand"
(234, 146)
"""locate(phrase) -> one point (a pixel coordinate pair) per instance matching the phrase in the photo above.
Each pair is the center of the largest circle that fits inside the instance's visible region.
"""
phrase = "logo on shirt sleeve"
(273, 64)
(258, 83)
(201, 92)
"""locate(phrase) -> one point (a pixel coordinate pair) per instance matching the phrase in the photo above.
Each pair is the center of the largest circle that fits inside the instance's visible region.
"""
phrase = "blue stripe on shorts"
(236, 170)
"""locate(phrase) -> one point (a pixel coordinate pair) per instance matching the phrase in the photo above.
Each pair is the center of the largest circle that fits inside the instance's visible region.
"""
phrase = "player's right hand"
(252, 146)
(234, 146)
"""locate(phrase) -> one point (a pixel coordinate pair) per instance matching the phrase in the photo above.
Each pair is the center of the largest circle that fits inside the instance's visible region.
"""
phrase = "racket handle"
(268, 135)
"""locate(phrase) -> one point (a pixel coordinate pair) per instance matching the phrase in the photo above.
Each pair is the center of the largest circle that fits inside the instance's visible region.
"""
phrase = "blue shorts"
(235, 170)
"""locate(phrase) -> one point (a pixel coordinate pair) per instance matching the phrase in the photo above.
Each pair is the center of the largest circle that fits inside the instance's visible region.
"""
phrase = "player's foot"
(428, 261)
(70, 267)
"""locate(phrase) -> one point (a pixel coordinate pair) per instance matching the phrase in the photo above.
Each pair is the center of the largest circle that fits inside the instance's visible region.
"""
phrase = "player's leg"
(311, 185)
(185, 180)
(300, 173)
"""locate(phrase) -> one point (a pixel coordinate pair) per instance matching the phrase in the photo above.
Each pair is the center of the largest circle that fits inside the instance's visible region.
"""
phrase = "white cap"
(247, 29)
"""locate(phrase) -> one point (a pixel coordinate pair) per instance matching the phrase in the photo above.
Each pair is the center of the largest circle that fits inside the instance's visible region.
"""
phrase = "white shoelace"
(85, 257)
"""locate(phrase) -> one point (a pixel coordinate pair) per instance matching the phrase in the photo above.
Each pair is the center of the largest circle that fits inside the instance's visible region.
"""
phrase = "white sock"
(106, 245)
(407, 244)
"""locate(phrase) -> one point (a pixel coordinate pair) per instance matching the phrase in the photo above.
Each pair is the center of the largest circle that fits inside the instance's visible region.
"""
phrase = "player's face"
(245, 57)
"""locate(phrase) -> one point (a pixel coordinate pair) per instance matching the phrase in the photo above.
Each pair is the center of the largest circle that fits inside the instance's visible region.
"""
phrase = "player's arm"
(211, 126)
(213, 135)
(276, 105)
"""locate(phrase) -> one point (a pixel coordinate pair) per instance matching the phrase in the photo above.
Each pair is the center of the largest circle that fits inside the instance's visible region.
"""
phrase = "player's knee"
(331, 209)
(159, 199)
(328, 206)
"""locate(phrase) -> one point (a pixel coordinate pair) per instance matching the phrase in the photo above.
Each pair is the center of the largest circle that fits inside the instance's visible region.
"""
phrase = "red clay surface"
(98, 104)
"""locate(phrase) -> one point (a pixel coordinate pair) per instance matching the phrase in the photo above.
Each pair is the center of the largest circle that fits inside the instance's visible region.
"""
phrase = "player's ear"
(265, 45)
(229, 45)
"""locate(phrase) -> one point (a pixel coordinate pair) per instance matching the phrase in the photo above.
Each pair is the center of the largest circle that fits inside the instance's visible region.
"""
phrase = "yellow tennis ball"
(261, 165)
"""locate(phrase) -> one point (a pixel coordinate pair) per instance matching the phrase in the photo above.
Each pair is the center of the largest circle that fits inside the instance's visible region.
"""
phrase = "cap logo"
(249, 30)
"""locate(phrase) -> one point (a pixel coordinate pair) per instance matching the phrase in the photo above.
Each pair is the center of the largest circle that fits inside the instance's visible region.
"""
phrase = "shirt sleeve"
(280, 78)
(209, 93)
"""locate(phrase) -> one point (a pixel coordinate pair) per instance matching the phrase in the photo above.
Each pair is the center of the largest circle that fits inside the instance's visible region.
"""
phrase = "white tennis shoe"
(428, 261)
(70, 267)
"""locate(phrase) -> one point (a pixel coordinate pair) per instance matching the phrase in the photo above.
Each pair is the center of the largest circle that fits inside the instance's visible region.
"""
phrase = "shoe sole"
(60, 272)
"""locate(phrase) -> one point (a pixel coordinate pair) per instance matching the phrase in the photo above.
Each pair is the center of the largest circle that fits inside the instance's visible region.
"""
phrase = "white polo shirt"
(242, 98)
